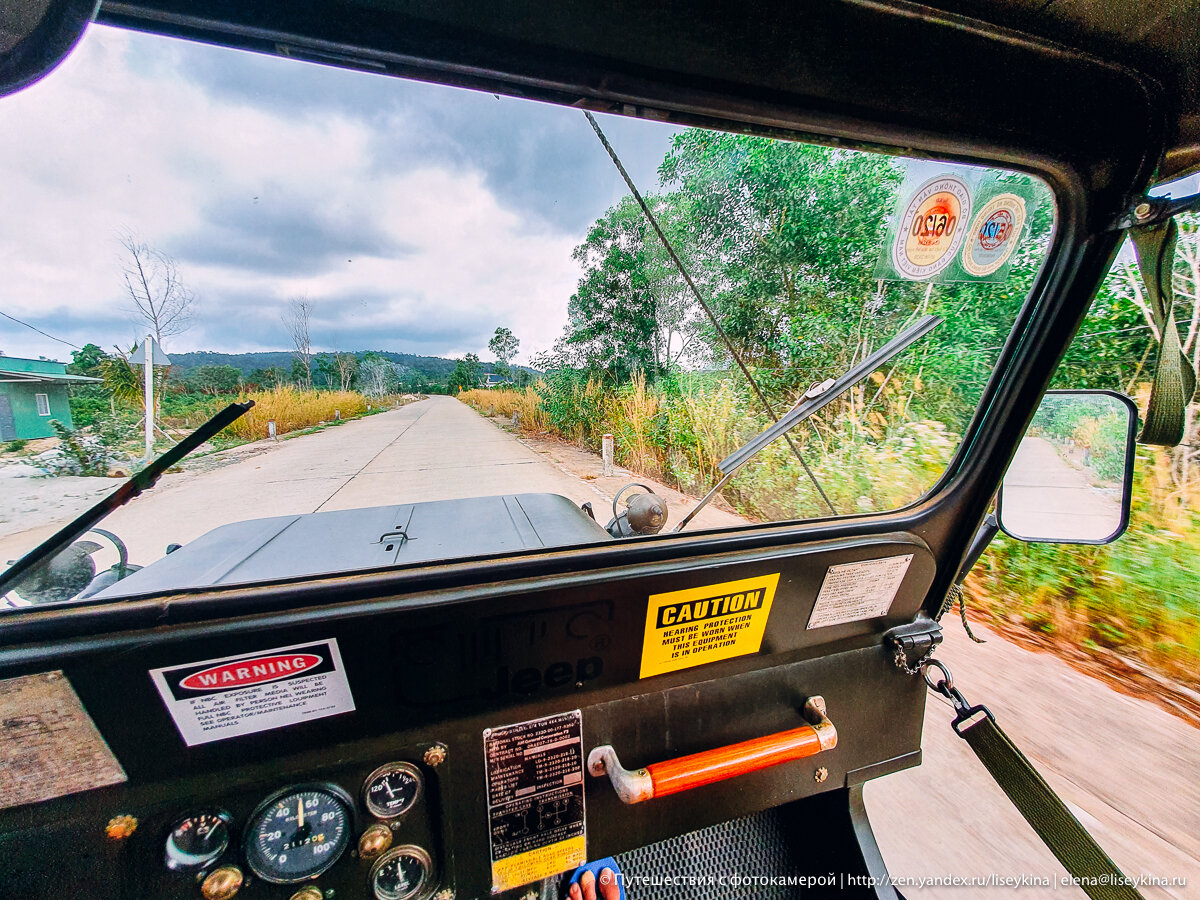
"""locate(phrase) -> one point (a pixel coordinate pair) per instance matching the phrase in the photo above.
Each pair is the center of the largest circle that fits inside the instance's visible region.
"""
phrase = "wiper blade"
(814, 401)
(143, 480)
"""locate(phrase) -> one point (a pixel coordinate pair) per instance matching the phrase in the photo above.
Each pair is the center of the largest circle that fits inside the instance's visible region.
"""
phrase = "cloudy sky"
(416, 218)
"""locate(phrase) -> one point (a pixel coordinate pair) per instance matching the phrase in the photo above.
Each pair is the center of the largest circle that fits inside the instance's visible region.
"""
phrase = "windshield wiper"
(143, 480)
(813, 400)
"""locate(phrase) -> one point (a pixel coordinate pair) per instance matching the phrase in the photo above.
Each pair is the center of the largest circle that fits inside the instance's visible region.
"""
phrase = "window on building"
(43, 404)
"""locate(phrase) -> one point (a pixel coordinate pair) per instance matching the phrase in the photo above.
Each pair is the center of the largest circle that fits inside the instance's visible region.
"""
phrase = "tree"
(347, 368)
(465, 376)
(156, 289)
(87, 360)
(377, 375)
(214, 379)
(504, 344)
(296, 319)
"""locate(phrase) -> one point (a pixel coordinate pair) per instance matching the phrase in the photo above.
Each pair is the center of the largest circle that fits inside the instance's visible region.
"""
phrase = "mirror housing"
(36, 35)
(1071, 479)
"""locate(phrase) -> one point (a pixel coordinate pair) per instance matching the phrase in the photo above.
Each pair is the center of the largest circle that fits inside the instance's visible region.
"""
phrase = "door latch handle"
(719, 764)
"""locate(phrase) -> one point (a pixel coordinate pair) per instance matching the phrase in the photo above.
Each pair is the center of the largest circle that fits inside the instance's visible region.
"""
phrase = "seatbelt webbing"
(1174, 379)
(1098, 876)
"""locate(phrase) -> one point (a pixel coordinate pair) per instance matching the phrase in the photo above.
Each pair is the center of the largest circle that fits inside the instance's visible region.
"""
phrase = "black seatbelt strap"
(1094, 872)
(1174, 379)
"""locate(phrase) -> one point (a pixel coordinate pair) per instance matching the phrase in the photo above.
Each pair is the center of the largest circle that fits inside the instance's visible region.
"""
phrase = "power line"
(39, 331)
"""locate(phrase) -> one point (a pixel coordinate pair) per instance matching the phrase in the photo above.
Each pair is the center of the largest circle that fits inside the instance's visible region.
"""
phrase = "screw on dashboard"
(120, 827)
(435, 755)
(222, 883)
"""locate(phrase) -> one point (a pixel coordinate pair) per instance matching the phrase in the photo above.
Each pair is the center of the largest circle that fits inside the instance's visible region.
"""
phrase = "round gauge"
(298, 833)
(197, 841)
(392, 790)
(403, 873)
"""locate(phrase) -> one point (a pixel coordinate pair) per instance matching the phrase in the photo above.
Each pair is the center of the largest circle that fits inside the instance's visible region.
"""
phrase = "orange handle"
(699, 769)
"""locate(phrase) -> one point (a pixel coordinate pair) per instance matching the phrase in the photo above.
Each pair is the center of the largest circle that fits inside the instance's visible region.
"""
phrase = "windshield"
(432, 295)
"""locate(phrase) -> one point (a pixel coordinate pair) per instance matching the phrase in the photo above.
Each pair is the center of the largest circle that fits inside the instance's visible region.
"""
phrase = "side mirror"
(1071, 479)
(35, 36)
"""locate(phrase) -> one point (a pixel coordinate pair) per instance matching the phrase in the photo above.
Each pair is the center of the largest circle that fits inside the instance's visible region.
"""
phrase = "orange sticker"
(932, 227)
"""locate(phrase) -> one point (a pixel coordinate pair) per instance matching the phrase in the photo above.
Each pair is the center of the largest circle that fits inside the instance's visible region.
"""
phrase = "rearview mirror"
(35, 36)
(1071, 479)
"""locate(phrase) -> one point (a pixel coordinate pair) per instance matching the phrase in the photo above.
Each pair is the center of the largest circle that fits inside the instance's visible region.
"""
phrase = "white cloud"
(113, 142)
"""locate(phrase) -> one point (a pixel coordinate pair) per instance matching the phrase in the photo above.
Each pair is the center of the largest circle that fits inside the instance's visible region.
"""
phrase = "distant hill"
(431, 366)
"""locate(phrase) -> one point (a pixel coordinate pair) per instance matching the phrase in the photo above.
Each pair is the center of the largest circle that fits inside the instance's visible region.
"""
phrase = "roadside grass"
(1135, 597)
(293, 410)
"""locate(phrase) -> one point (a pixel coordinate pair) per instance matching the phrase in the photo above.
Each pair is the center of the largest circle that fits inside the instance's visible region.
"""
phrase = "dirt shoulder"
(583, 464)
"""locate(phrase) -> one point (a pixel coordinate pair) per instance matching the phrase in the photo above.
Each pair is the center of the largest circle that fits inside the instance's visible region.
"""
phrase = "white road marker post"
(606, 453)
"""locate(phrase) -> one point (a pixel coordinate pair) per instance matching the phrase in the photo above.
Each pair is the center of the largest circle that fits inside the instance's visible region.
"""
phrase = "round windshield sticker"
(931, 229)
(994, 235)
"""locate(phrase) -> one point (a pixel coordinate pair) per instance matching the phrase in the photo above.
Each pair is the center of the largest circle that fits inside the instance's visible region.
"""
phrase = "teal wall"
(24, 406)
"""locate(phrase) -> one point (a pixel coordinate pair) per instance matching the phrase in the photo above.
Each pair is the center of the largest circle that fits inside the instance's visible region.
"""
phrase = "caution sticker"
(535, 799)
(237, 695)
(706, 624)
(932, 227)
(994, 235)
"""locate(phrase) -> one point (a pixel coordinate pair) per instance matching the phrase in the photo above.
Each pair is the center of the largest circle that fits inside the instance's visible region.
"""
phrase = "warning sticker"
(706, 624)
(238, 695)
(858, 590)
(535, 799)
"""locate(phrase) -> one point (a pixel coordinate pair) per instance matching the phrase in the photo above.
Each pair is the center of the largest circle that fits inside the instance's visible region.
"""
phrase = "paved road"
(1128, 768)
(1046, 497)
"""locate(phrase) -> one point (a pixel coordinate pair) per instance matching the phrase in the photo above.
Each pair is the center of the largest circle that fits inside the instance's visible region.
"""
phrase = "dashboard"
(435, 743)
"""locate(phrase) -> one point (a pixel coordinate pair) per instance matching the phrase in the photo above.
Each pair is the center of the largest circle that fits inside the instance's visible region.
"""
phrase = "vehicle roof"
(1107, 87)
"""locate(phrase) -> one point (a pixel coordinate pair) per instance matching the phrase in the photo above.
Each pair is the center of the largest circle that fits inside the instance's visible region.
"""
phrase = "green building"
(32, 392)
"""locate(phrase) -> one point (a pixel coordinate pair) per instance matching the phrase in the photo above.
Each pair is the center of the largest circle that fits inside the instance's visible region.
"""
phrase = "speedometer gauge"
(298, 833)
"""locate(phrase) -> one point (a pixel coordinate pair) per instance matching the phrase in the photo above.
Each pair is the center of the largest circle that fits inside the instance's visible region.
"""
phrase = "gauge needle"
(300, 811)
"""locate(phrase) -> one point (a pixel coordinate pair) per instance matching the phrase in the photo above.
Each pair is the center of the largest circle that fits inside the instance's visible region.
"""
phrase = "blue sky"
(417, 218)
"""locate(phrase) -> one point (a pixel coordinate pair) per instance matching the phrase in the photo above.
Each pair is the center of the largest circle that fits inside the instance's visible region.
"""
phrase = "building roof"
(16, 376)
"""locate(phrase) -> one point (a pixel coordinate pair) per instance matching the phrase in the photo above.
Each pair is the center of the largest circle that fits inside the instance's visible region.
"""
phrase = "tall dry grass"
(292, 409)
(504, 402)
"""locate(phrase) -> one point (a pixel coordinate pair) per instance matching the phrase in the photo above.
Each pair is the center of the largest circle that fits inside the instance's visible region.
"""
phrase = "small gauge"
(403, 873)
(392, 790)
(298, 833)
(197, 841)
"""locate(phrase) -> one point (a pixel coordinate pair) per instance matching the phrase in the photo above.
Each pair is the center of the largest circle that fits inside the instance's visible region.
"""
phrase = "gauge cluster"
(372, 836)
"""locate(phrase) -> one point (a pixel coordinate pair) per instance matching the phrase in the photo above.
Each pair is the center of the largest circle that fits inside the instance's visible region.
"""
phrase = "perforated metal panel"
(729, 860)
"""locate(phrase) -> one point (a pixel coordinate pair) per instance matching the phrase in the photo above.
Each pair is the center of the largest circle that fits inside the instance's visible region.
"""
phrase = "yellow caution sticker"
(706, 624)
(534, 865)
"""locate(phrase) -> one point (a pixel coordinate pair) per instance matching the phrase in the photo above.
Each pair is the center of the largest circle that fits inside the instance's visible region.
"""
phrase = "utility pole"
(149, 394)
(148, 356)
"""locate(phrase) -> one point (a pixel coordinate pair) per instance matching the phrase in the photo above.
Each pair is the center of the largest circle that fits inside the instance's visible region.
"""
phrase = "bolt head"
(120, 827)
(435, 756)
(1142, 210)
(820, 775)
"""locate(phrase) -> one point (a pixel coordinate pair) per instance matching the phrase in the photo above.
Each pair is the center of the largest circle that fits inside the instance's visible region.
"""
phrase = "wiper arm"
(813, 401)
(142, 481)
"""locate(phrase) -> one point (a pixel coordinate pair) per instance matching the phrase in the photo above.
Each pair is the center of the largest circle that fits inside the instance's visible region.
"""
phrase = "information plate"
(858, 590)
(238, 695)
(535, 799)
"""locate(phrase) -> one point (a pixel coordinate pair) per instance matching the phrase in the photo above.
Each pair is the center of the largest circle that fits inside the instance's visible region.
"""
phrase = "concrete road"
(1046, 497)
(1129, 769)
